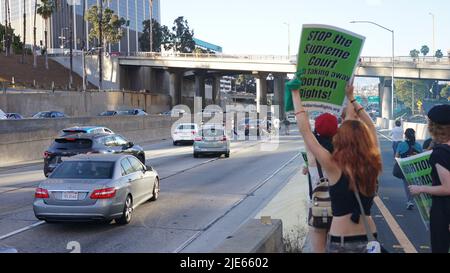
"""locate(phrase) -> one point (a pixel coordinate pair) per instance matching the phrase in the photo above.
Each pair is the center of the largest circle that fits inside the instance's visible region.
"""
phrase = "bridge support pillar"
(279, 82)
(200, 86)
(385, 91)
(176, 86)
(216, 90)
(261, 90)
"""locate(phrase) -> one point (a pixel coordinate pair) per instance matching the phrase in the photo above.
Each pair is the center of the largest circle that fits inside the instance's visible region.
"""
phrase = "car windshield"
(126, 113)
(212, 132)
(108, 113)
(72, 132)
(84, 170)
(186, 127)
(42, 115)
(72, 143)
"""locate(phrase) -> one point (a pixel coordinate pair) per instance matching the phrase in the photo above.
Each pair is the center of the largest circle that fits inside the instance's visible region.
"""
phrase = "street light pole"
(151, 26)
(393, 60)
(434, 33)
(289, 38)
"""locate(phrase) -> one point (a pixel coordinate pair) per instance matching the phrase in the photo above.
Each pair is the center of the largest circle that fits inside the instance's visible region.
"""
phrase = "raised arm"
(360, 111)
(320, 153)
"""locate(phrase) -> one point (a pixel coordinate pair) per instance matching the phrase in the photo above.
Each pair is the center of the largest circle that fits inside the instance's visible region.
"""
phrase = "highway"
(196, 196)
(202, 202)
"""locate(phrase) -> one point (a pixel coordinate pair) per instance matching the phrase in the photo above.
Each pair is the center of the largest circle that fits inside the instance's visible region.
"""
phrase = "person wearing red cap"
(353, 170)
(326, 126)
(439, 127)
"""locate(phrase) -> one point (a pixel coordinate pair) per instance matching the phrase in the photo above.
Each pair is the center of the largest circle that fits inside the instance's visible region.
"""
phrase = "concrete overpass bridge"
(214, 66)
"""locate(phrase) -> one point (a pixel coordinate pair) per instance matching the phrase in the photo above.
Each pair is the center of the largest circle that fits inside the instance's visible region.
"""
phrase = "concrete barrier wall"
(422, 132)
(26, 140)
(255, 237)
(76, 104)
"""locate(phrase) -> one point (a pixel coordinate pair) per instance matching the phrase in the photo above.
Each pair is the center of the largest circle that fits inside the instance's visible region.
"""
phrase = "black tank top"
(344, 202)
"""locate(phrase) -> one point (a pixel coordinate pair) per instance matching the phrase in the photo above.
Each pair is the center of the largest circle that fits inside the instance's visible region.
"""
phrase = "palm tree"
(34, 35)
(425, 50)
(24, 30)
(45, 10)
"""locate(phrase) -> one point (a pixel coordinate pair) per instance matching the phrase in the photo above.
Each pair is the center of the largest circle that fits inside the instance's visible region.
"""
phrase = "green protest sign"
(417, 171)
(327, 59)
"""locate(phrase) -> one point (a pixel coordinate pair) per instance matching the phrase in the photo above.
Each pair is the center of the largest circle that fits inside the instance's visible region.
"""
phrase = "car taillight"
(41, 193)
(194, 132)
(104, 193)
(47, 154)
(224, 138)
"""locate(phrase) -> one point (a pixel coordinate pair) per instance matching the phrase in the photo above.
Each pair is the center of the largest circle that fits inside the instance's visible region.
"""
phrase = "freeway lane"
(196, 193)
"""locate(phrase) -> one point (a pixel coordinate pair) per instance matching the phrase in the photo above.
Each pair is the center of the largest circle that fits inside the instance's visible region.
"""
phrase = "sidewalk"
(291, 206)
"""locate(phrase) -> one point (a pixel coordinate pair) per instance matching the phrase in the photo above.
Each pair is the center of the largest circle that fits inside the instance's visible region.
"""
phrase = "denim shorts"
(353, 244)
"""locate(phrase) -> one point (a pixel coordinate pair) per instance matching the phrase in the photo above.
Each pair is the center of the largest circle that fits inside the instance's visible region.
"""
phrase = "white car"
(185, 133)
(3, 115)
(291, 118)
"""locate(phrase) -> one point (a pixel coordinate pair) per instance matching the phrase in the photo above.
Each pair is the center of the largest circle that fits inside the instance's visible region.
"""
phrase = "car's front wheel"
(127, 213)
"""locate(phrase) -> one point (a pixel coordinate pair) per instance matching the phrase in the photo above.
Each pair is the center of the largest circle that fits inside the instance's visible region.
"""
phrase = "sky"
(258, 26)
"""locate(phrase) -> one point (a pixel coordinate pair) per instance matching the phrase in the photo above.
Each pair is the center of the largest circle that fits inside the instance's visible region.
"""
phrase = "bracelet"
(353, 101)
(300, 112)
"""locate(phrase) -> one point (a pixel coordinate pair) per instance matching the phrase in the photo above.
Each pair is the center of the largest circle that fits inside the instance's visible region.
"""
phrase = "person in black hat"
(439, 127)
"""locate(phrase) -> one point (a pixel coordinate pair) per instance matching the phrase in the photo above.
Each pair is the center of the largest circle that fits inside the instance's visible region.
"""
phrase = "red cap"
(326, 125)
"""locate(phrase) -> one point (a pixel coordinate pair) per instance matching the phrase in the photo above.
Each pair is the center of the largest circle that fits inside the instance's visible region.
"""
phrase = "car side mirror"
(130, 144)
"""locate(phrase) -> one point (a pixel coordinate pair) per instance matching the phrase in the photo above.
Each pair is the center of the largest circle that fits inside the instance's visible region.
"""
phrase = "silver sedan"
(96, 188)
(212, 140)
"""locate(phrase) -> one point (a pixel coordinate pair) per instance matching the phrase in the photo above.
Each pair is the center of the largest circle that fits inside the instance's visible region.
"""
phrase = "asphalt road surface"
(202, 202)
(197, 198)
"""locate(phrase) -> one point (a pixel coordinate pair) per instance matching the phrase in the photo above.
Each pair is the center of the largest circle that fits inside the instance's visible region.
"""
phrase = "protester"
(287, 123)
(439, 127)
(353, 167)
(407, 148)
(326, 127)
(397, 135)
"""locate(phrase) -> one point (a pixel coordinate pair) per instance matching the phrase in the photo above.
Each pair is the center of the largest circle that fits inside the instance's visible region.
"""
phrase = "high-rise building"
(133, 11)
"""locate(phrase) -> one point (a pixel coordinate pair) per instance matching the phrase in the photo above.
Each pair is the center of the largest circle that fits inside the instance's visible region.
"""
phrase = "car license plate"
(70, 196)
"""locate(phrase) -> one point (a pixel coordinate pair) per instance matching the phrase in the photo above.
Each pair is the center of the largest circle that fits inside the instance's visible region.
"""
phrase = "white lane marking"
(21, 230)
(210, 224)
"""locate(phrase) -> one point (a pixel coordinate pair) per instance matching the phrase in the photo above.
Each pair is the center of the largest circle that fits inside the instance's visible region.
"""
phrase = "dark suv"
(71, 145)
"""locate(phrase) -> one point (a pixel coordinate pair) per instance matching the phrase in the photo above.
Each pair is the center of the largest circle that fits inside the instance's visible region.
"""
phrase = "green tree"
(414, 53)
(161, 36)
(439, 54)
(183, 37)
(15, 39)
(404, 91)
(111, 26)
(246, 83)
(445, 92)
(45, 10)
(425, 50)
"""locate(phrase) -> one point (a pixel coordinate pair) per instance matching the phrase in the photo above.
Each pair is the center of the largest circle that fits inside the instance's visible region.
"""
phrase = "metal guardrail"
(157, 55)
(407, 59)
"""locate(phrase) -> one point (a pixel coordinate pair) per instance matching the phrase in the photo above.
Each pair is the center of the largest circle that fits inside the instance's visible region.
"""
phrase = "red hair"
(358, 156)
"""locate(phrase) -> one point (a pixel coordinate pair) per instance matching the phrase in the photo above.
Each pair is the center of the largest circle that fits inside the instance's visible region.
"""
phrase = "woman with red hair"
(354, 166)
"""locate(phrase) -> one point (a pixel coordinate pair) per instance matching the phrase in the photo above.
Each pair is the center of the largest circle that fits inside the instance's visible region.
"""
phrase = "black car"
(109, 113)
(132, 112)
(72, 145)
(13, 116)
(49, 114)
